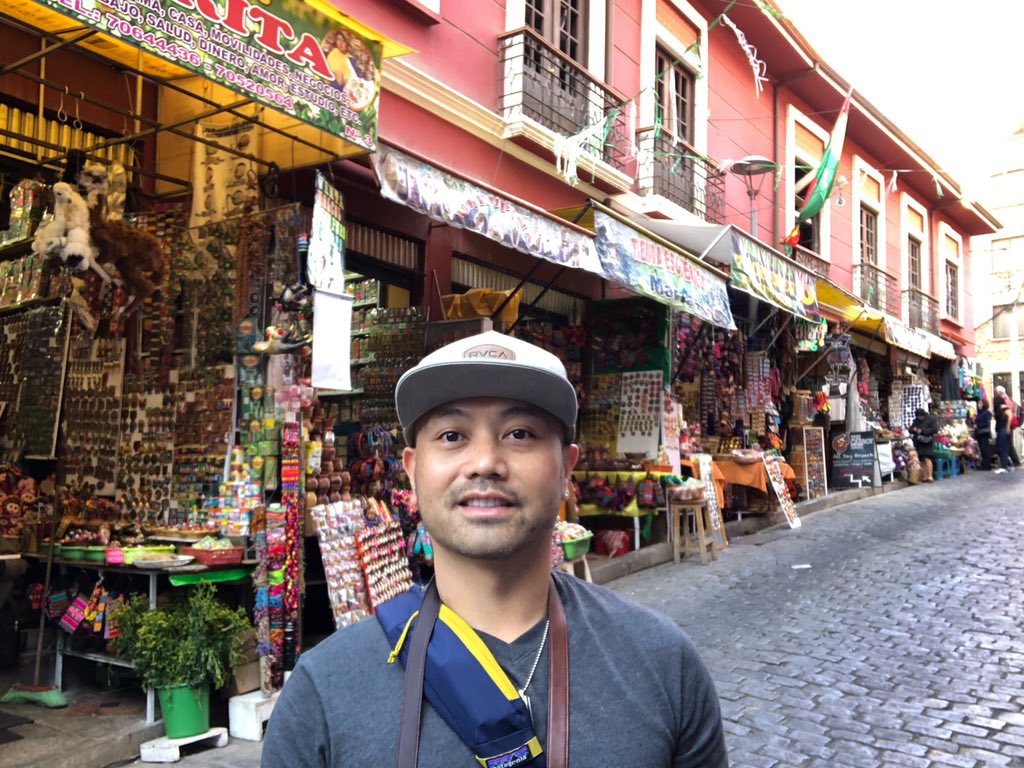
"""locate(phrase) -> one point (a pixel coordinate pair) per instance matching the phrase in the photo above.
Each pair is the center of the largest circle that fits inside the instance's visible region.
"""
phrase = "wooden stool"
(570, 566)
(701, 538)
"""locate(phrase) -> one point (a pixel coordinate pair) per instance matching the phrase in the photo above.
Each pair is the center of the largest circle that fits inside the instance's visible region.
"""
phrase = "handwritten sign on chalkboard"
(853, 460)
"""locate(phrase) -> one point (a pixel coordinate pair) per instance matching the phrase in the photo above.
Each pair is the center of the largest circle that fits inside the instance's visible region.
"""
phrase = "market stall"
(157, 310)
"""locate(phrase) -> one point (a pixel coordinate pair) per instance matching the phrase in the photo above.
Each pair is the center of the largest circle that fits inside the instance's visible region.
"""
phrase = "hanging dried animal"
(66, 236)
(136, 253)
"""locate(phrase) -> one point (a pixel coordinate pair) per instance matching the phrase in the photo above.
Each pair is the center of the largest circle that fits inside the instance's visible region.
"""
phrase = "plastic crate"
(232, 556)
(95, 554)
(573, 548)
(115, 556)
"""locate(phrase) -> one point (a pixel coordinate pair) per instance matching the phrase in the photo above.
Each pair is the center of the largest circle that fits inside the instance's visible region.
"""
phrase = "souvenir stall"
(618, 477)
(736, 396)
(158, 419)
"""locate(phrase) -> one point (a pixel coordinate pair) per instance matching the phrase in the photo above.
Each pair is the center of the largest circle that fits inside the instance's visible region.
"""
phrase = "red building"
(654, 101)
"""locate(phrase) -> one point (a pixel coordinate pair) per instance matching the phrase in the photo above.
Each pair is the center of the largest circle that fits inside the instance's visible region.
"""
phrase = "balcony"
(808, 259)
(877, 288)
(541, 83)
(676, 171)
(922, 310)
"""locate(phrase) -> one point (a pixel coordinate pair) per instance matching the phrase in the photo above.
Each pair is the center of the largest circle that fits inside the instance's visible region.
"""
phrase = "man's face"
(489, 476)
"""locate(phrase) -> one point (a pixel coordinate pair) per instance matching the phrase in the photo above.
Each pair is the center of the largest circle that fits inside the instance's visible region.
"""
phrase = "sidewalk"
(103, 727)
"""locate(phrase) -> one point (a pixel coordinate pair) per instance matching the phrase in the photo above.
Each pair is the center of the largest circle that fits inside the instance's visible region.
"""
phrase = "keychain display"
(337, 525)
(383, 561)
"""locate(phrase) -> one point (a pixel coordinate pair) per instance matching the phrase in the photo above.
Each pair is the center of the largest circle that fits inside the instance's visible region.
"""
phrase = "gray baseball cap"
(489, 364)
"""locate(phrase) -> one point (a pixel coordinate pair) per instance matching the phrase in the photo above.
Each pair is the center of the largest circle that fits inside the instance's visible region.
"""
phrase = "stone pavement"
(902, 643)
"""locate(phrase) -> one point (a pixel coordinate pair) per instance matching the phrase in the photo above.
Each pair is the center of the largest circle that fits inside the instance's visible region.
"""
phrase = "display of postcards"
(337, 525)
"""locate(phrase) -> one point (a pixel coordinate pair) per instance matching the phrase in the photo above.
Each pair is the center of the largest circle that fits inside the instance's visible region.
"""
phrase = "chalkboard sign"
(853, 460)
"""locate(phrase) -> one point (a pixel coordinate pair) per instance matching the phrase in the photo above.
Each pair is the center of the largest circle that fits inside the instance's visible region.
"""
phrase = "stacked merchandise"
(599, 417)
(396, 342)
(27, 203)
(895, 402)
(92, 401)
(202, 428)
(567, 344)
(291, 500)
(32, 360)
(382, 557)
(336, 526)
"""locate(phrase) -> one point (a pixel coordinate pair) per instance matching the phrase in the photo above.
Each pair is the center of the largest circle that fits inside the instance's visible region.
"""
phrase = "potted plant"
(180, 649)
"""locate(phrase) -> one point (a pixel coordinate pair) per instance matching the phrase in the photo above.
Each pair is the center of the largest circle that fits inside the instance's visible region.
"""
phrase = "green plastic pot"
(186, 710)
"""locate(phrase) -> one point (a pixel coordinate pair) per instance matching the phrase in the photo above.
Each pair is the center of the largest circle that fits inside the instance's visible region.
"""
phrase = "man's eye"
(520, 434)
(450, 437)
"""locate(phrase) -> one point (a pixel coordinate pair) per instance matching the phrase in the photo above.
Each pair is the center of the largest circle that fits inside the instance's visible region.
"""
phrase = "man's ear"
(409, 464)
(572, 455)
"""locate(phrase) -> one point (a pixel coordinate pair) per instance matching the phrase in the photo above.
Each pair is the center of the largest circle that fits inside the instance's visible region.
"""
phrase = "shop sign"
(281, 53)
(660, 273)
(907, 338)
(325, 260)
(770, 276)
(854, 460)
(461, 204)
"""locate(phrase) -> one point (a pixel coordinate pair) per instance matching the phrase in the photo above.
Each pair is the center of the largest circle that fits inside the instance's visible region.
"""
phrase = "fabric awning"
(941, 347)
(861, 317)
(754, 267)
(619, 253)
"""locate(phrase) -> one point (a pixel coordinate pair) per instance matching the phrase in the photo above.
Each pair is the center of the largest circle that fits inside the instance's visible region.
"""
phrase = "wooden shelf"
(16, 249)
(102, 658)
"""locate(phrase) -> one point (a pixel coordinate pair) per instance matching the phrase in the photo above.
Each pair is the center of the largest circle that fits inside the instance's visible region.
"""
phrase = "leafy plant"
(193, 640)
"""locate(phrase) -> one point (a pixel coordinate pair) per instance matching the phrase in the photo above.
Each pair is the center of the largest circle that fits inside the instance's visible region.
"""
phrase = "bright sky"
(949, 78)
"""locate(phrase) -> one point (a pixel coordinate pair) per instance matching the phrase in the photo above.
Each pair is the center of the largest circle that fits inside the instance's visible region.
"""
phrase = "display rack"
(807, 459)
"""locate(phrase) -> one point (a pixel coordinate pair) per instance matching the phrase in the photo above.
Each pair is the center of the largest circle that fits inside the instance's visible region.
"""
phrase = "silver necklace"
(529, 677)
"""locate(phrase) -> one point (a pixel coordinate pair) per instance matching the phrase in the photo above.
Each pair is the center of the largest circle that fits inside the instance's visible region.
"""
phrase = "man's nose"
(488, 458)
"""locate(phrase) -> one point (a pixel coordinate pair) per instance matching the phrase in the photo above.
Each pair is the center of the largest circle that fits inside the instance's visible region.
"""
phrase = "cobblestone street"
(902, 643)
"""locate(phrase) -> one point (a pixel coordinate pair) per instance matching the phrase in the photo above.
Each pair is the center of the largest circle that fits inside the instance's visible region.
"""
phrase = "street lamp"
(749, 168)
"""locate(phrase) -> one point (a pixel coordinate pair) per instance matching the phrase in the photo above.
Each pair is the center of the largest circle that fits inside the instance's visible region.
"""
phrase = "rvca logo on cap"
(490, 351)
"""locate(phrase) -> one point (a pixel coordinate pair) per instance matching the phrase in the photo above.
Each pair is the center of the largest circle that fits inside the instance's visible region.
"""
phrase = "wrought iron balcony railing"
(805, 257)
(676, 171)
(877, 288)
(542, 83)
(922, 310)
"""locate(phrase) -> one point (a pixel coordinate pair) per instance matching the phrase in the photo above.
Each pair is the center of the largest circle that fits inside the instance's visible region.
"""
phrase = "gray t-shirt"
(639, 695)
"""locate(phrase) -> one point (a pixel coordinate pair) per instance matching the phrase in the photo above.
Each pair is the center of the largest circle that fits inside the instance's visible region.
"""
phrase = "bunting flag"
(820, 186)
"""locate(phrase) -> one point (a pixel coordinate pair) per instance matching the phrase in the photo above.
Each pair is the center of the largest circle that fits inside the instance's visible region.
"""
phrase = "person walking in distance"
(983, 434)
(923, 429)
(1002, 414)
(499, 661)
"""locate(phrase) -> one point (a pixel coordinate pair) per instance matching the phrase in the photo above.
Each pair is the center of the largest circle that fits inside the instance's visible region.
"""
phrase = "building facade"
(999, 278)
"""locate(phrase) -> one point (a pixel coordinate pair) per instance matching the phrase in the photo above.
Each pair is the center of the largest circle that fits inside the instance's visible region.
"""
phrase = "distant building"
(999, 275)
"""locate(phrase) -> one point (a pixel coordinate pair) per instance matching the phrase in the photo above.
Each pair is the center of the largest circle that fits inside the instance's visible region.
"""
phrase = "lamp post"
(749, 168)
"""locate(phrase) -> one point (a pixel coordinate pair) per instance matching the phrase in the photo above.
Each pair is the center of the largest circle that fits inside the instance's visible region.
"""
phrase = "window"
(951, 255)
(674, 89)
(952, 290)
(561, 23)
(868, 236)
(914, 262)
(809, 230)
(1002, 321)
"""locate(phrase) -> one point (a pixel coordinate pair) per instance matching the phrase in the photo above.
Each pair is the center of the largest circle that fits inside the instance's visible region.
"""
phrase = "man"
(983, 435)
(524, 665)
(1003, 408)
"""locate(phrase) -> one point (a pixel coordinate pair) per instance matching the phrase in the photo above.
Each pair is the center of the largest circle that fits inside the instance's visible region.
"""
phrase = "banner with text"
(459, 203)
(660, 273)
(770, 276)
(281, 53)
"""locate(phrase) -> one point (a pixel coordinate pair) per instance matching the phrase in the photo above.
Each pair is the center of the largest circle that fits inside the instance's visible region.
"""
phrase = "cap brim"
(423, 389)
